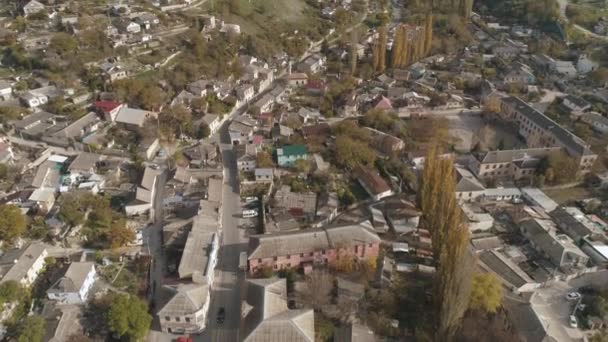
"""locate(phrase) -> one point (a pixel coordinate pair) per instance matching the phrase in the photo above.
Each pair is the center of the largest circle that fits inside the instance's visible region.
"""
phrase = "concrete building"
(185, 312)
(75, 285)
(267, 317)
(372, 182)
(302, 249)
(23, 265)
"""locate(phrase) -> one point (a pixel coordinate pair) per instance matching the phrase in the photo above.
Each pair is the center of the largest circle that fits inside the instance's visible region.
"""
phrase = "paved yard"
(554, 310)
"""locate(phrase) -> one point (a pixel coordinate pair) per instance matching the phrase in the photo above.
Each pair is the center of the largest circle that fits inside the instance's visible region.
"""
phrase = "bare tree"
(317, 290)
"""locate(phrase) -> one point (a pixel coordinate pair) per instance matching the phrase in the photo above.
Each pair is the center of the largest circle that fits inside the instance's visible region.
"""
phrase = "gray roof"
(595, 117)
(305, 241)
(263, 172)
(269, 319)
(47, 175)
(354, 333)
(580, 102)
(134, 116)
(544, 235)
(466, 182)
(33, 118)
(185, 299)
(505, 269)
(507, 156)
(84, 161)
(571, 142)
(73, 279)
(75, 129)
(150, 174)
(209, 118)
(215, 189)
(197, 252)
(525, 320)
(25, 259)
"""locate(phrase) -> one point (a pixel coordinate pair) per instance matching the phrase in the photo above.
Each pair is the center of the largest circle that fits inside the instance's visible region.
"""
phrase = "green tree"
(63, 43)
(486, 292)
(203, 131)
(12, 222)
(302, 165)
(31, 329)
(128, 317)
(70, 211)
(264, 159)
(350, 152)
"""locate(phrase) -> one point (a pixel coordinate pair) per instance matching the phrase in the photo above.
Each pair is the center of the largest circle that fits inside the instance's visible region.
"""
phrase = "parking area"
(554, 310)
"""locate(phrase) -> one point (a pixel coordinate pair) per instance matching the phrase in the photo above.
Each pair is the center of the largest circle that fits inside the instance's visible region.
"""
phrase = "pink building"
(309, 247)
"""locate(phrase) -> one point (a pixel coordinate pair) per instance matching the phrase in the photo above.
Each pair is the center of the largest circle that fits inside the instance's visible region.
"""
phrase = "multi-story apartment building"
(540, 131)
(305, 248)
(514, 164)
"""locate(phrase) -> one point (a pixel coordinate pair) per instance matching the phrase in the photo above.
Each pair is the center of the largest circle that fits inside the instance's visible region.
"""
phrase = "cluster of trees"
(533, 12)
(557, 168)
(412, 43)
(352, 145)
(128, 317)
(12, 223)
(103, 226)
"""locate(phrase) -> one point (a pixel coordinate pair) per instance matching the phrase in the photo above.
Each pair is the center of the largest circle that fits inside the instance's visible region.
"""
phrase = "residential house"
(265, 103)
(312, 64)
(574, 223)
(144, 194)
(75, 285)
(383, 103)
(316, 132)
(301, 205)
(109, 109)
(576, 104)
(564, 68)
(6, 90)
(244, 92)
(134, 119)
(84, 164)
(113, 71)
(23, 265)
(241, 129)
(40, 96)
(558, 248)
(43, 198)
(597, 121)
(6, 153)
(297, 79)
(33, 7)
(33, 126)
(201, 154)
(246, 157)
(585, 65)
(199, 88)
(354, 332)
(61, 322)
(213, 121)
(538, 198)
(281, 131)
(402, 216)
(279, 93)
(541, 131)
(468, 187)
(148, 147)
(372, 182)
(146, 20)
(266, 316)
(185, 312)
(521, 74)
(288, 154)
(385, 143)
(264, 175)
(303, 248)
(127, 26)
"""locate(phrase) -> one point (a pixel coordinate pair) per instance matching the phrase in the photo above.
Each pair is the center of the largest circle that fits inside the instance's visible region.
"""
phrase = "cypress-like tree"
(397, 50)
(428, 30)
(442, 216)
(354, 40)
(382, 48)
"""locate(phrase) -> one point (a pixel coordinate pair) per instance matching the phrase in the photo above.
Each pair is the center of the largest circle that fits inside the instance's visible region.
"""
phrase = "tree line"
(411, 43)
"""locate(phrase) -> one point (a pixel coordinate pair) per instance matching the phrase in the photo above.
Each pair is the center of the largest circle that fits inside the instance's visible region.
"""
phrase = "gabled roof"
(371, 179)
(466, 182)
(186, 299)
(107, 106)
(25, 259)
(73, 279)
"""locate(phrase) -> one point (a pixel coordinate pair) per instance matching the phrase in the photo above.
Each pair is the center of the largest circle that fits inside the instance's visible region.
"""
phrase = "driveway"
(554, 311)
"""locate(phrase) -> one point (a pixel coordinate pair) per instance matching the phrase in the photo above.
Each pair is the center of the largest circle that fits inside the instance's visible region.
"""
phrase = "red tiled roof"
(257, 139)
(106, 106)
(372, 180)
(315, 84)
(384, 104)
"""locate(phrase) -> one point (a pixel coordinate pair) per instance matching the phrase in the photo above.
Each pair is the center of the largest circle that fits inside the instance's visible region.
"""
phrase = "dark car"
(221, 315)
(588, 290)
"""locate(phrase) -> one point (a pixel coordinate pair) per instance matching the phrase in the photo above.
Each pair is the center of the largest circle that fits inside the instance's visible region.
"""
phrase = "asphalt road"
(226, 290)
(152, 238)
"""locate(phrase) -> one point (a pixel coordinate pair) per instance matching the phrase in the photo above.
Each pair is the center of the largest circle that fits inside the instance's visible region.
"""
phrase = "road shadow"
(229, 257)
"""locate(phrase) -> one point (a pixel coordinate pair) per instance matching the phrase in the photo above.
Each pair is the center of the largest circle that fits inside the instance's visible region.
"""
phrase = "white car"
(250, 213)
(573, 296)
(573, 322)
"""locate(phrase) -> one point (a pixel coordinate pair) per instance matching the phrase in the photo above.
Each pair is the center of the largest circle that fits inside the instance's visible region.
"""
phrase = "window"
(288, 256)
(188, 319)
(275, 258)
(167, 318)
(312, 253)
(276, 267)
(288, 265)
(356, 249)
(177, 319)
(301, 255)
(260, 261)
(494, 166)
(371, 244)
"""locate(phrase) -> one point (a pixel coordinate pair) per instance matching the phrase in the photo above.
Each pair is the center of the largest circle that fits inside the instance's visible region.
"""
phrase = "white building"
(23, 265)
(6, 90)
(585, 65)
(212, 121)
(75, 285)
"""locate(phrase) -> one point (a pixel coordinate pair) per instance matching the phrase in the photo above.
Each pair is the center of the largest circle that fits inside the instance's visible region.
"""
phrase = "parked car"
(573, 322)
(573, 296)
(250, 213)
(589, 290)
(221, 315)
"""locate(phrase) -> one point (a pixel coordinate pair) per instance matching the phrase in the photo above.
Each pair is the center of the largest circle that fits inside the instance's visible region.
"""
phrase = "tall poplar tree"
(354, 41)
(428, 30)
(383, 39)
(442, 216)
